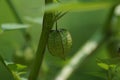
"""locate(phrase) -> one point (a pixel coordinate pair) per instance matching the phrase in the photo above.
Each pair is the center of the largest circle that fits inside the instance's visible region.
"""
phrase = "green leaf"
(5, 73)
(77, 6)
(20, 67)
(13, 26)
(16, 76)
(105, 64)
(17, 67)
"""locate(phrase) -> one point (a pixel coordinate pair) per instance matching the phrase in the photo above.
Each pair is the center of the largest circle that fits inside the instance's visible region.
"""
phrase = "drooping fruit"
(59, 42)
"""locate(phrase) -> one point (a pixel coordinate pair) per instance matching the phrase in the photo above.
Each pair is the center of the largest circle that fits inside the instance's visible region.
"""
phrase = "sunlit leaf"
(13, 26)
(105, 64)
(17, 67)
(16, 76)
(21, 67)
(77, 6)
(17, 70)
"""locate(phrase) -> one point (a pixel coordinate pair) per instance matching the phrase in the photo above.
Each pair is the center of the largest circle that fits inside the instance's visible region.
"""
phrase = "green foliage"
(17, 67)
(82, 20)
(5, 73)
(112, 67)
(103, 64)
(7, 27)
(17, 70)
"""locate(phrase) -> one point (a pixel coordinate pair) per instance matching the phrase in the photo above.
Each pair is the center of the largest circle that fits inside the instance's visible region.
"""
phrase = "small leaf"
(20, 67)
(105, 65)
(17, 67)
(12, 26)
(16, 76)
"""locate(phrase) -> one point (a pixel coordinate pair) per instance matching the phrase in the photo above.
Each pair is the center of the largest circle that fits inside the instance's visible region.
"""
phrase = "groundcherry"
(59, 42)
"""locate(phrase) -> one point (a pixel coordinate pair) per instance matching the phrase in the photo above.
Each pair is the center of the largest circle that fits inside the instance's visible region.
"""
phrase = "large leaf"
(77, 6)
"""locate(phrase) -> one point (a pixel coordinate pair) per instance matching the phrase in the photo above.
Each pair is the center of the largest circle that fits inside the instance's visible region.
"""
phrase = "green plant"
(60, 39)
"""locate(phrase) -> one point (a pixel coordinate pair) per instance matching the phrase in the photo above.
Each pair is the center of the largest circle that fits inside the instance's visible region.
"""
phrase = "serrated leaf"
(77, 6)
(12, 26)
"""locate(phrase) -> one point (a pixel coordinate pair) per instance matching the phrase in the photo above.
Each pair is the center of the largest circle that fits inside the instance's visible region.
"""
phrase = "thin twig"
(26, 35)
(12, 7)
(59, 15)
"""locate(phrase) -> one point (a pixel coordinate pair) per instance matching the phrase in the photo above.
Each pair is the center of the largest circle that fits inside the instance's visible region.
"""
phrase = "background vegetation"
(21, 26)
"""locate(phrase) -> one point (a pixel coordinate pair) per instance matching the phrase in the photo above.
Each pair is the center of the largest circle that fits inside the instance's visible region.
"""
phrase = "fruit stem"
(56, 25)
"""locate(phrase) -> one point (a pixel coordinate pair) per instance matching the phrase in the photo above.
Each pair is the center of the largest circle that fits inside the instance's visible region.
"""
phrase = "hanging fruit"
(59, 42)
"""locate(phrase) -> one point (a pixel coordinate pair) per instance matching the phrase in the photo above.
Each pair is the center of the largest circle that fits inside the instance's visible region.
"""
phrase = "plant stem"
(113, 43)
(47, 25)
(109, 74)
(109, 20)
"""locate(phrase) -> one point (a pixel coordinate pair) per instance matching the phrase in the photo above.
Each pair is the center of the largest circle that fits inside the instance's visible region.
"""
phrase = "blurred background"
(19, 45)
